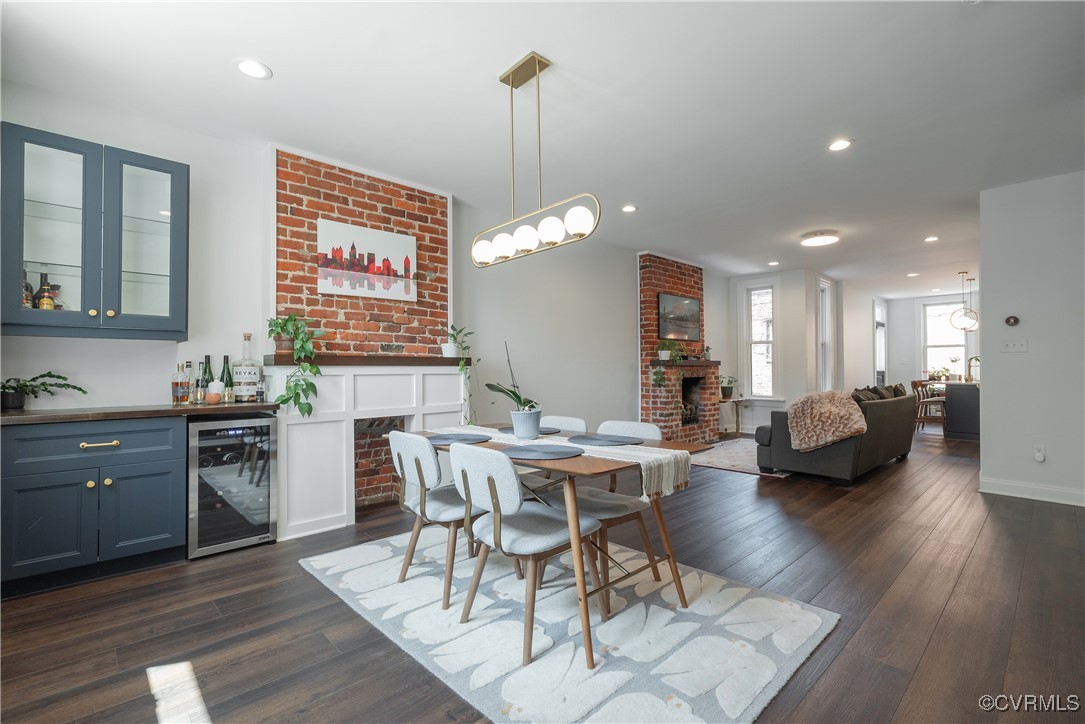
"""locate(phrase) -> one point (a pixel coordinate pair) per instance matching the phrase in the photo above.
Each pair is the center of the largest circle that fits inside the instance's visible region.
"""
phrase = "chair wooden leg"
(409, 556)
(450, 561)
(658, 510)
(542, 572)
(613, 482)
(244, 457)
(589, 553)
(480, 564)
(648, 547)
(529, 606)
(518, 568)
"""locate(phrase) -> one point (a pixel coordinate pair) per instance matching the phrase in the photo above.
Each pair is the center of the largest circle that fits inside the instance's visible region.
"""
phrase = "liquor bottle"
(28, 293)
(208, 374)
(179, 386)
(191, 383)
(43, 298)
(201, 384)
(226, 377)
(248, 373)
(261, 397)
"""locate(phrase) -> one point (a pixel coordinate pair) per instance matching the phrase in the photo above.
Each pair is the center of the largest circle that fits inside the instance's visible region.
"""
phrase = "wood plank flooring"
(945, 595)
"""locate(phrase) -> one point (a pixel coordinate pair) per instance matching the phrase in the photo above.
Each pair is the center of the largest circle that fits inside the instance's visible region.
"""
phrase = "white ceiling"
(711, 118)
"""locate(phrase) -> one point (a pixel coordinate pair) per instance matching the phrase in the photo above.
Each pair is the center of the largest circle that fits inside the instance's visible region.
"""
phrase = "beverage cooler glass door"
(231, 484)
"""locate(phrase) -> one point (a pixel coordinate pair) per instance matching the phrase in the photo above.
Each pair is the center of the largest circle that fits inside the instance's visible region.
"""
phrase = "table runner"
(662, 471)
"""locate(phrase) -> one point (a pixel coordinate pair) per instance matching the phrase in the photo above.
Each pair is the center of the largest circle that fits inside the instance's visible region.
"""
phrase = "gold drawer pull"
(85, 445)
(92, 312)
(90, 483)
(107, 482)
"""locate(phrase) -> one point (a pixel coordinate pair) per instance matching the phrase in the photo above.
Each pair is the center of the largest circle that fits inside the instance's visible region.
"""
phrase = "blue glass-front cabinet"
(98, 237)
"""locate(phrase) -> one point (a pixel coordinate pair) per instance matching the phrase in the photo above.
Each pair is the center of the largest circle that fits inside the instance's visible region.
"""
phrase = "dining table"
(594, 463)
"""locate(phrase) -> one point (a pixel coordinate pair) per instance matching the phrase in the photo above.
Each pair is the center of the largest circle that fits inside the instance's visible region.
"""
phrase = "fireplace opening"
(691, 400)
(375, 480)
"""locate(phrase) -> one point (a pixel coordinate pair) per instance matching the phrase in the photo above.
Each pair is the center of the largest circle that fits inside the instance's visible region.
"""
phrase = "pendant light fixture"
(966, 318)
(560, 223)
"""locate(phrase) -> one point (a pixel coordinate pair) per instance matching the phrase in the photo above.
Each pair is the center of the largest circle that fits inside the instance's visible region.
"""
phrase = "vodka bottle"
(248, 373)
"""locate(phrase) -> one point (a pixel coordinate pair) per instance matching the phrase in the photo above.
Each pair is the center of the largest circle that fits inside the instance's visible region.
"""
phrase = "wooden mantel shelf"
(685, 363)
(325, 359)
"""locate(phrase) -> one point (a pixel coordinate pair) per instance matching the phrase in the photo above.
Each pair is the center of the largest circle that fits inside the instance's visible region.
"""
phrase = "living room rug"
(739, 455)
(720, 660)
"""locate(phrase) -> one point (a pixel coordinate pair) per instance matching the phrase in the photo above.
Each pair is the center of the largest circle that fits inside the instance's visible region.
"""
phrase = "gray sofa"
(890, 425)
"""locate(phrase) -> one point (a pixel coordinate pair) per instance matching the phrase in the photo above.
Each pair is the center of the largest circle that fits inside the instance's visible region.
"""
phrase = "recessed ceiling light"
(931, 238)
(164, 213)
(629, 208)
(254, 69)
(913, 274)
(936, 290)
(774, 263)
(840, 144)
(820, 238)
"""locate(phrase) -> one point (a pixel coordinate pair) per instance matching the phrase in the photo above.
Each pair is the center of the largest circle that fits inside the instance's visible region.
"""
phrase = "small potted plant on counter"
(299, 386)
(13, 390)
(727, 387)
(527, 415)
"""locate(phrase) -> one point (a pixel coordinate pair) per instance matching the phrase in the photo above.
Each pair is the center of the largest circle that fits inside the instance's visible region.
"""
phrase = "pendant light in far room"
(966, 318)
(560, 223)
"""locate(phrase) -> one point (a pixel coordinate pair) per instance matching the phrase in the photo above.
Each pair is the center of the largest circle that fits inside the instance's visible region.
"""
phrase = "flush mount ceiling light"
(774, 263)
(254, 69)
(931, 238)
(560, 223)
(936, 289)
(966, 318)
(629, 208)
(820, 238)
(840, 144)
(913, 274)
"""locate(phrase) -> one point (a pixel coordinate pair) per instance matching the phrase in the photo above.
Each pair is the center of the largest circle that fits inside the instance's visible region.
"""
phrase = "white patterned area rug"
(720, 660)
(739, 455)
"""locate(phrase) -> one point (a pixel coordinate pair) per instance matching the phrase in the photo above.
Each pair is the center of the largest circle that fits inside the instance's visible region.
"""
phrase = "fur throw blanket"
(822, 418)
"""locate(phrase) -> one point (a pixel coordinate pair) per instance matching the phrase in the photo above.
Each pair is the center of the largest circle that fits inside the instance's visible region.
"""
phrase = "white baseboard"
(1032, 491)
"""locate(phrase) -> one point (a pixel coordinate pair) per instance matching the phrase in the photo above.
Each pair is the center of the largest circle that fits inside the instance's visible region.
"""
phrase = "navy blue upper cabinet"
(96, 236)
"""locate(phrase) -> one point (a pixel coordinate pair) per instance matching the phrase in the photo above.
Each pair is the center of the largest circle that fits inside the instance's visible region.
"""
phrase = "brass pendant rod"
(512, 154)
(538, 124)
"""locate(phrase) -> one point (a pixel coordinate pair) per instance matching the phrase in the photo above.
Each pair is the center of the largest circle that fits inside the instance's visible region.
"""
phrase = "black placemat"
(447, 438)
(597, 439)
(542, 452)
(542, 430)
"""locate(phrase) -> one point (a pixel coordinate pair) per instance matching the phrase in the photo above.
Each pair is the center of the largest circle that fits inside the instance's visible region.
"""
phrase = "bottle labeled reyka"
(226, 377)
(248, 373)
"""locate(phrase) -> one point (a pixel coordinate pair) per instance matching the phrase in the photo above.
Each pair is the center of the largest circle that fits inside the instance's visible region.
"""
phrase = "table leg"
(658, 510)
(576, 545)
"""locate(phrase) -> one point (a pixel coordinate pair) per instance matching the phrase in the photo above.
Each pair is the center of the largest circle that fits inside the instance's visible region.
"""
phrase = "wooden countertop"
(86, 414)
(326, 359)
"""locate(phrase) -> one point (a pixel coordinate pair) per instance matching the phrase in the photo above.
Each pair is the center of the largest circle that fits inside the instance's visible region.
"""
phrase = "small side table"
(738, 412)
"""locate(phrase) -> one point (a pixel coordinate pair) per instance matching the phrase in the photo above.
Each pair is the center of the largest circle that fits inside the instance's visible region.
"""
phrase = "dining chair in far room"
(523, 530)
(630, 428)
(420, 492)
(567, 424)
(928, 407)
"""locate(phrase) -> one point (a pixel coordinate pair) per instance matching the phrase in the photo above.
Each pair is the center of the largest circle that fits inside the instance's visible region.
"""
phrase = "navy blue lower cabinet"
(141, 508)
(49, 522)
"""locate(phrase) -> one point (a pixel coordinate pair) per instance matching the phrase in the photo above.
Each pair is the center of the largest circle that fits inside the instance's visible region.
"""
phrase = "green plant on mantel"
(458, 336)
(676, 348)
(299, 386)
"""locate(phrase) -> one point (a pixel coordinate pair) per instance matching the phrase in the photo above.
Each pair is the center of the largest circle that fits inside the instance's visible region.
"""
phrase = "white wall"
(855, 339)
(717, 335)
(1032, 259)
(229, 249)
(905, 336)
(570, 317)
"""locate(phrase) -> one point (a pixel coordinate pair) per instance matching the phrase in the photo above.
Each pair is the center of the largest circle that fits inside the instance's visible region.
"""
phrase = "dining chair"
(523, 530)
(421, 493)
(643, 430)
(928, 407)
(568, 424)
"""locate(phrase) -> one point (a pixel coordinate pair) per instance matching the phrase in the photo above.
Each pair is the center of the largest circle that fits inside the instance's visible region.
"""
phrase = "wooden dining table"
(590, 466)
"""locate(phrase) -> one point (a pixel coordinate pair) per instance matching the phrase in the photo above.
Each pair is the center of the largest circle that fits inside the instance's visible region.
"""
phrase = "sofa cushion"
(861, 393)
(899, 391)
(885, 393)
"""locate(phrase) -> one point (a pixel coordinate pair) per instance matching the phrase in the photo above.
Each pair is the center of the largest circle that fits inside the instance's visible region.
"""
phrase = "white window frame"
(742, 307)
(969, 343)
(826, 360)
(880, 306)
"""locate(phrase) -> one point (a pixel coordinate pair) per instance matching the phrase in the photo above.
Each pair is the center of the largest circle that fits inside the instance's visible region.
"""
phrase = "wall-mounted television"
(679, 318)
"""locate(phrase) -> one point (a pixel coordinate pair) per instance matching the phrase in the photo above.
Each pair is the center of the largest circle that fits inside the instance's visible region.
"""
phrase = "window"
(759, 340)
(825, 335)
(941, 341)
(880, 340)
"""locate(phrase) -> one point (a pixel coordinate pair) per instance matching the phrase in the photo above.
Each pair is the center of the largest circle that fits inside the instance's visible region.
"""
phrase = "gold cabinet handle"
(107, 482)
(92, 312)
(110, 313)
(90, 483)
(85, 445)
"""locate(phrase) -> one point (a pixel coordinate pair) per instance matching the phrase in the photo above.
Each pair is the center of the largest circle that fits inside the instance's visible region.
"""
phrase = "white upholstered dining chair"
(568, 424)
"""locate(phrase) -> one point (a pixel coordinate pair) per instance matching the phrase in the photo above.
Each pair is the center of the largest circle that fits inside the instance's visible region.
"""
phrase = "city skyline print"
(360, 262)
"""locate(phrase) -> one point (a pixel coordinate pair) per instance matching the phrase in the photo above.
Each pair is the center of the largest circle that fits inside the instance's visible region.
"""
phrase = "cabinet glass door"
(52, 205)
(144, 275)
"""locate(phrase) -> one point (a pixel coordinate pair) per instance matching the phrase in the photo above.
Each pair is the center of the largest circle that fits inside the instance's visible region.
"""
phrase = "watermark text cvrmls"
(1030, 702)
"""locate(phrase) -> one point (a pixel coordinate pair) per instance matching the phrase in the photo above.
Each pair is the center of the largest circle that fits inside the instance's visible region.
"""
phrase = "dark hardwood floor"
(945, 595)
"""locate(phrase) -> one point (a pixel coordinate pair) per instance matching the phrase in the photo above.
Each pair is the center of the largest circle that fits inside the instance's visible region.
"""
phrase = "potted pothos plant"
(727, 387)
(299, 386)
(671, 349)
(14, 390)
(528, 414)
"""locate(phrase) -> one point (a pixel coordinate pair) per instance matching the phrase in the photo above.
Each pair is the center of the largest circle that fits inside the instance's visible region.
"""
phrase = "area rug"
(739, 455)
(720, 660)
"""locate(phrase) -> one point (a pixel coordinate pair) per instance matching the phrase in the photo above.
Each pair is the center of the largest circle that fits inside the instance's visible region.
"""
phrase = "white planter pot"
(664, 354)
(525, 423)
(448, 349)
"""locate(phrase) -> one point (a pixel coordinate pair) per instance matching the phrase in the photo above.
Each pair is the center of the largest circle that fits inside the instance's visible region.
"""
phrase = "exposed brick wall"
(662, 405)
(375, 479)
(308, 190)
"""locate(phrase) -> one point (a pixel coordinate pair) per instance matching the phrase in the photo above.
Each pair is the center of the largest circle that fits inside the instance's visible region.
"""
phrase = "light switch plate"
(1014, 345)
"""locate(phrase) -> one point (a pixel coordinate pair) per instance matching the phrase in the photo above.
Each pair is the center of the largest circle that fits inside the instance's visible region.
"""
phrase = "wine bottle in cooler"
(248, 372)
(226, 377)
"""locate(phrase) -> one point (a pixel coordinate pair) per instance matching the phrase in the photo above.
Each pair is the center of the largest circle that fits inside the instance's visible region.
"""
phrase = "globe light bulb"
(483, 251)
(504, 246)
(526, 238)
(579, 221)
(551, 230)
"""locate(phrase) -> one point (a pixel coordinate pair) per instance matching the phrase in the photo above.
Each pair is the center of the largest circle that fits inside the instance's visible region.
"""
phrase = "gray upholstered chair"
(643, 430)
(420, 492)
(524, 530)
(568, 424)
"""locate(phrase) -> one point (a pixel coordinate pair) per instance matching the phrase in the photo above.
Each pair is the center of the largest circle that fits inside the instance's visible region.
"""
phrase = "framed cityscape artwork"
(360, 262)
